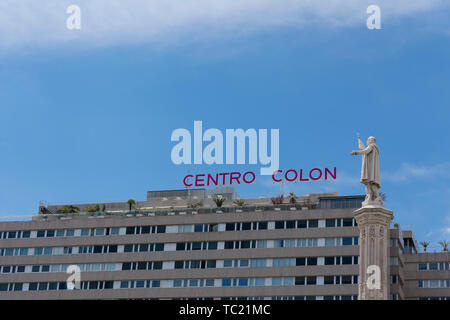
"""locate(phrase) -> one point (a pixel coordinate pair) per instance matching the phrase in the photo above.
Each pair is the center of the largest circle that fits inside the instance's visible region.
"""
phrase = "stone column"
(373, 223)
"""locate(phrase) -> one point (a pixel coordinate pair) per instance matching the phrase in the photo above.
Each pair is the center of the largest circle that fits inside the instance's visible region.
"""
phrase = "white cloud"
(409, 171)
(28, 23)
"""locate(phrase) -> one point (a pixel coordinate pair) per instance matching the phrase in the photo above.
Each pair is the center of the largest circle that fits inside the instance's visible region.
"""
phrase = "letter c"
(184, 180)
(273, 176)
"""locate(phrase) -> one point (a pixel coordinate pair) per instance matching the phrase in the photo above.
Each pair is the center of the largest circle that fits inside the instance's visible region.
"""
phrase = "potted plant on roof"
(444, 245)
(277, 200)
(239, 202)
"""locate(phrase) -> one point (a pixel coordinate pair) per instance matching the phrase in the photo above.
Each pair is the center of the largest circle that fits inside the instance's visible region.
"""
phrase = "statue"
(370, 171)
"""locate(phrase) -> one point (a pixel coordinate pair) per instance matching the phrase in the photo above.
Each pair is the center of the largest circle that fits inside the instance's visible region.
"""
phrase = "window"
(100, 231)
(328, 280)
(85, 232)
(347, 260)
(329, 261)
(226, 282)
(160, 229)
(312, 261)
(347, 222)
(347, 241)
(279, 224)
(330, 223)
(129, 230)
(313, 223)
(228, 244)
(60, 233)
(262, 225)
(25, 234)
(50, 233)
(41, 233)
(311, 280)
(212, 245)
(301, 223)
(70, 232)
(114, 231)
(299, 281)
(246, 226)
(300, 261)
(346, 279)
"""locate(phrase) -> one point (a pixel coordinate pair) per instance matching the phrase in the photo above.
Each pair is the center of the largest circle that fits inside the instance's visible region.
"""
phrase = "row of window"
(237, 226)
(187, 264)
(434, 266)
(182, 246)
(226, 282)
(346, 297)
(434, 283)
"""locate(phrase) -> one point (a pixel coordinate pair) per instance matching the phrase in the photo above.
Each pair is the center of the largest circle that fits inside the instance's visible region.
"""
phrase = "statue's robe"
(370, 169)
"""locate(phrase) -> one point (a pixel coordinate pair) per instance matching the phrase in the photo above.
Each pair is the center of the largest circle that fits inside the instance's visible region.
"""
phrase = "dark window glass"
(159, 247)
(156, 283)
(313, 223)
(312, 261)
(25, 234)
(35, 269)
(279, 224)
(21, 269)
(128, 248)
(347, 259)
(290, 224)
(50, 233)
(43, 285)
(330, 223)
(98, 249)
(262, 225)
(433, 266)
(246, 226)
(143, 247)
(198, 228)
(45, 269)
(347, 222)
(300, 261)
(213, 228)
(229, 227)
(328, 280)
(196, 245)
(299, 281)
(41, 233)
(346, 279)
(311, 280)
(62, 286)
(33, 286)
(142, 265)
(93, 285)
(126, 266)
(347, 241)
(179, 264)
(6, 269)
(245, 244)
(228, 244)
(113, 248)
(109, 284)
(329, 261)
(130, 230)
(212, 245)
(145, 230)
(422, 266)
(11, 235)
(18, 286)
(160, 229)
(181, 246)
(211, 263)
(301, 224)
(157, 265)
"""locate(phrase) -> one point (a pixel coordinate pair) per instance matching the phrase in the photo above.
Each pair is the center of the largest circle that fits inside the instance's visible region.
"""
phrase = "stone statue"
(370, 171)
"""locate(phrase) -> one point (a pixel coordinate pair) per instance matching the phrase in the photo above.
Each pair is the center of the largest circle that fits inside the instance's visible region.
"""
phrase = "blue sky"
(83, 119)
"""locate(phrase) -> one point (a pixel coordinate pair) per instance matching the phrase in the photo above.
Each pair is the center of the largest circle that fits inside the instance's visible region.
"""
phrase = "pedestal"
(373, 223)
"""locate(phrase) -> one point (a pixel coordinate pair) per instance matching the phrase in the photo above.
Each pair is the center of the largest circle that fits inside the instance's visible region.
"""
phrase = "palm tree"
(131, 203)
(444, 245)
(424, 244)
(219, 201)
(239, 202)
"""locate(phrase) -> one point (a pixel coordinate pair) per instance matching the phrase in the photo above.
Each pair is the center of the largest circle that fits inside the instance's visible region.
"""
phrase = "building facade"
(171, 249)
